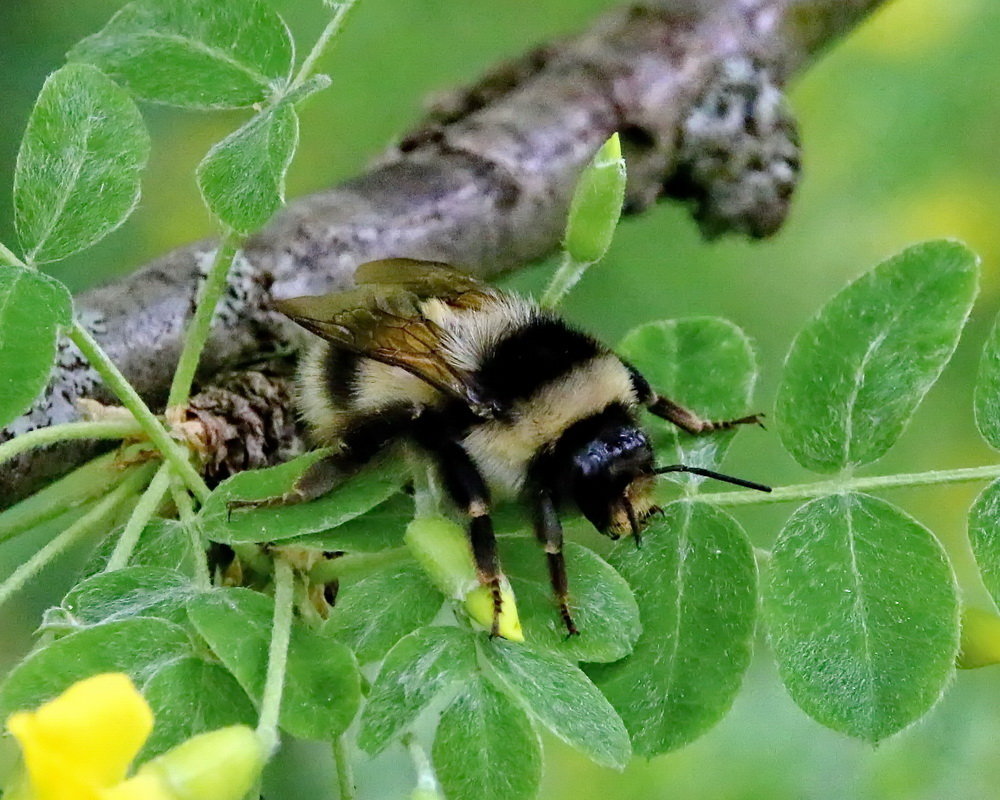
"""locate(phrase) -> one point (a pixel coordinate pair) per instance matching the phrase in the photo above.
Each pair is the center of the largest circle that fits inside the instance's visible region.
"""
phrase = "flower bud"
(442, 548)
(597, 204)
(219, 765)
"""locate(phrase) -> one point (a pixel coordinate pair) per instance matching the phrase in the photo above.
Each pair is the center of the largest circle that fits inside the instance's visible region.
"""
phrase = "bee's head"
(612, 476)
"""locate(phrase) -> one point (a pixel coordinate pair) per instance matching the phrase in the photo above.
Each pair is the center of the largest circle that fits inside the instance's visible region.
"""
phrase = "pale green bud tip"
(442, 548)
(219, 765)
(597, 204)
(980, 639)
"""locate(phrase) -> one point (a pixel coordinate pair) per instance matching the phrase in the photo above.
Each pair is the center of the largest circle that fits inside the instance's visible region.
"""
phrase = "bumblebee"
(504, 397)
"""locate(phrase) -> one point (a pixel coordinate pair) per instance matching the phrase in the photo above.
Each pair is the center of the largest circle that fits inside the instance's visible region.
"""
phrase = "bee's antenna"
(760, 487)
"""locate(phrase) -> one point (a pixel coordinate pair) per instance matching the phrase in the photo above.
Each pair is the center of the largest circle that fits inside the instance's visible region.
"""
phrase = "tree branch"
(693, 86)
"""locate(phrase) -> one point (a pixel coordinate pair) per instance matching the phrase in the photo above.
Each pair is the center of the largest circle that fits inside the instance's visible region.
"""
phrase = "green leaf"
(695, 582)
(375, 612)
(163, 543)
(380, 528)
(354, 498)
(242, 179)
(705, 363)
(33, 306)
(191, 696)
(77, 174)
(322, 685)
(485, 747)
(863, 614)
(560, 696)
(859, 369)
(601, 602)
(984, 536)
(420, 667)
(988, 389)
(131, 592)
(194, 53)
(140, 647)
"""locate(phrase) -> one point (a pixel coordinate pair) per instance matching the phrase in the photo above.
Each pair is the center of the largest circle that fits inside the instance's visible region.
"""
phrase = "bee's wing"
(382, 319)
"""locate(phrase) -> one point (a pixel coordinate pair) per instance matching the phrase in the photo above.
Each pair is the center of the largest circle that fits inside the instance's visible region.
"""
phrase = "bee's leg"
(687, 420)
(468, 490)
(683, 418)
(361, 442)
(549, 531)
(320, 477)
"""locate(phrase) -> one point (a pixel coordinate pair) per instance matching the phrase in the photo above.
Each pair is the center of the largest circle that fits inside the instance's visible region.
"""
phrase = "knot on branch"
(737, 159)
(246, 421)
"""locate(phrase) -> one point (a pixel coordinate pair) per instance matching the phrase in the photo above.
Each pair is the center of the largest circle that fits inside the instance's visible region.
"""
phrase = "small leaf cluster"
(80, 162)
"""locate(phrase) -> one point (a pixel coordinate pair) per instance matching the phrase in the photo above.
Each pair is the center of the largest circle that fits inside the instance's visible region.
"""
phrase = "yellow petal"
(84, 739)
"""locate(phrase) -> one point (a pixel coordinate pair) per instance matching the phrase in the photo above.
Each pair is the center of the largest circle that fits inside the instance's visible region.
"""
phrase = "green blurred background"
(900, 133)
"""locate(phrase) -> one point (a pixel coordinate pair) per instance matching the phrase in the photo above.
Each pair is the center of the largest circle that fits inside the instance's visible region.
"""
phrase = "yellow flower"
(79, 747)
(82, 742)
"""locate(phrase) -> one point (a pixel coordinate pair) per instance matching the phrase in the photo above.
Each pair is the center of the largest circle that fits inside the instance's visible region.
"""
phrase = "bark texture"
(693, 86)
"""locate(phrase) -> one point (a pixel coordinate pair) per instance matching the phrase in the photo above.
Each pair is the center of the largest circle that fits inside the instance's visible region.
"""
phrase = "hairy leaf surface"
(485, 740)
(420, 667)
(560, 696)
(192, 696)
(390, 601)
(242, 179)
(859, 369)
(141, 647)
(77, 174)
(322, 685)
(695, 582)
(984, 536)
(863, 614)
(194, 53)
(33, 307)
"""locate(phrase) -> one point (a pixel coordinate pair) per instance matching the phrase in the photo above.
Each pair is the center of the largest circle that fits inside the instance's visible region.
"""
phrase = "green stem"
(141, 514)
(277, 657)
(806, 491)
(129, 397)
(201, 323)
(9, 258)
(84, 484)
(565, 278)
(185, 509)
(331, 30)
(107, 429)
(345, 776)
(88, 522)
